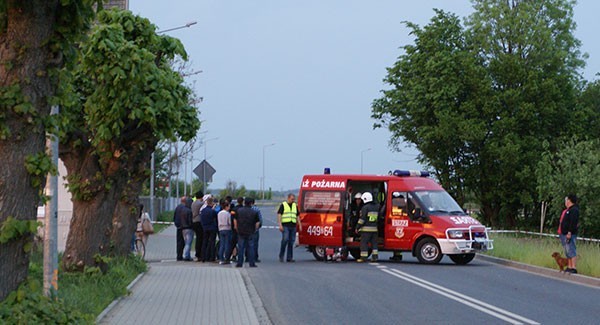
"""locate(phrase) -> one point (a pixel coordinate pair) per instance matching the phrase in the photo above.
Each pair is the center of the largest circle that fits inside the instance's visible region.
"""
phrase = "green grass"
(536, 250)
(87, 293)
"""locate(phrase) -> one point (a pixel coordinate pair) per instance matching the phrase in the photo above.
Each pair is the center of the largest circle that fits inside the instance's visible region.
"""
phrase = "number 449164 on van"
(416, 215)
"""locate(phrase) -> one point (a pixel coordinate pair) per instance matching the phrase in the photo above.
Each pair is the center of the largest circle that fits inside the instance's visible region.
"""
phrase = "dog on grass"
(561, 261)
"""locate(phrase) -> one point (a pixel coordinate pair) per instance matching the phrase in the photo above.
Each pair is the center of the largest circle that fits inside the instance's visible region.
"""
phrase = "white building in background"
(65, 208)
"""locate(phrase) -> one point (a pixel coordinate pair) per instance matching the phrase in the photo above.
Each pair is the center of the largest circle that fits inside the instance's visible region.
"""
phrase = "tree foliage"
(479, 100)
(124, 98)
(572, 169)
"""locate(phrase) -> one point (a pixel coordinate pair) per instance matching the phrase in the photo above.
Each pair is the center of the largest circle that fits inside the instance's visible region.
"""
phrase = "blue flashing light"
(327, 171)
(401, 173)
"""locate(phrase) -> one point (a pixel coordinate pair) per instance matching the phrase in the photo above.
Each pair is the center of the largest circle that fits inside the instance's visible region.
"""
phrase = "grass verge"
(536, 250)
(81, 296)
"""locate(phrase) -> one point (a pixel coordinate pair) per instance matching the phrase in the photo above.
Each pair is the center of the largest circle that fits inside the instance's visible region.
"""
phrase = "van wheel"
(428, 251)
(462, 259)
(319, 253)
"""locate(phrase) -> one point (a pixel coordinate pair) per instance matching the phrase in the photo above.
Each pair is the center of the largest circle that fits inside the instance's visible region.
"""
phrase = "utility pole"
(51, 223)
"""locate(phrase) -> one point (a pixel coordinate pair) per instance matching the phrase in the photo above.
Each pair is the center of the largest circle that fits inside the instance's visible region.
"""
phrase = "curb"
(543, 271)
(116, 301)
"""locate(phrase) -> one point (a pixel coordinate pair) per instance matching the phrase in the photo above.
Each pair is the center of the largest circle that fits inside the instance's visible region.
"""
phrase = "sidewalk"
(186, 292)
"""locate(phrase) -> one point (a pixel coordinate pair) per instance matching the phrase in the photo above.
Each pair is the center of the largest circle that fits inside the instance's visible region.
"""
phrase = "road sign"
(205, 171)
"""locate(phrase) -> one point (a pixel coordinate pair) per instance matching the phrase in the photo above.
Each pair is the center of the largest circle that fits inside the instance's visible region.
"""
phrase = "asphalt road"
(312, 292)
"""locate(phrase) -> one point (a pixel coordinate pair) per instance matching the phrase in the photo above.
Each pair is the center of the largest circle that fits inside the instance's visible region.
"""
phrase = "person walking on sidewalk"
(367, 226)
(178, 215)
(246, 223)
(224, 222)
(567, 231)
(208, 217)
(196, 224)
(288, 218)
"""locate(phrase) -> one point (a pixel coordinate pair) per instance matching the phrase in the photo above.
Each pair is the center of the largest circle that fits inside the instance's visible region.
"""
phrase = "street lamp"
(152, 171)
(361, 159)
(176, 28)
(262, 183)
(204, 165)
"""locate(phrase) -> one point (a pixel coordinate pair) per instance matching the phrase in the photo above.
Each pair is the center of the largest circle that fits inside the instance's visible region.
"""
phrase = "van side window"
(414, 209)
(399, 204)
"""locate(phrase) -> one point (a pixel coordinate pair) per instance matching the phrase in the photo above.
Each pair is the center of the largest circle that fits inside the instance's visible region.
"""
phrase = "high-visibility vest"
(289, 213)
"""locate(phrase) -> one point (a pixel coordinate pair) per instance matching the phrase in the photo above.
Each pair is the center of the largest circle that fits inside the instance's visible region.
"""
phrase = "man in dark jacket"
(246, 223)
(567, 231)
(208, 218)
(182, 219)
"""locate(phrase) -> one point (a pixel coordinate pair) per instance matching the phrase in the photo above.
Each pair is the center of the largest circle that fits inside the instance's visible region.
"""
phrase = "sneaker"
(221, 263)
(572, 271)
(238, 265)
(291, 261)
(253, 265)
(360, 260)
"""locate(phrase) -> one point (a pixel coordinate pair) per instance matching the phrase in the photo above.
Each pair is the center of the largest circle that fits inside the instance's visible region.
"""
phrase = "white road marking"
(463, 299)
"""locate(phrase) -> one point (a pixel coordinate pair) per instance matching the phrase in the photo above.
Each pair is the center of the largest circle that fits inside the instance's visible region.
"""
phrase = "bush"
(81, 296)
(27, 305)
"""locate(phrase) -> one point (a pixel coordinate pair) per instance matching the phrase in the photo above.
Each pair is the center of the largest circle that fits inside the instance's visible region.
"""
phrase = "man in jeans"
(567, 231)
(246, 223)
(177, 219)
(287, 217)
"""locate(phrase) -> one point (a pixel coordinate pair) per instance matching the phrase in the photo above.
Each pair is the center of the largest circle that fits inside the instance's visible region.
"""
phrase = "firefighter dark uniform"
(367, 226)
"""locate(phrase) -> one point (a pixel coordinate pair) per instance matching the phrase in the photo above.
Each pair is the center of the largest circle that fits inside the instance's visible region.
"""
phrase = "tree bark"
(24, 62)
(104, 220)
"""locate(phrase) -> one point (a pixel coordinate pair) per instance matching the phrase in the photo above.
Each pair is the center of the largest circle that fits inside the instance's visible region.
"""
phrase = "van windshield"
(438, 202)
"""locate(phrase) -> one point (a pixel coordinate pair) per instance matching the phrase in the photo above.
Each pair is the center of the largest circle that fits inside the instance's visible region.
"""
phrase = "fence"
(161, 204)
(591, 240)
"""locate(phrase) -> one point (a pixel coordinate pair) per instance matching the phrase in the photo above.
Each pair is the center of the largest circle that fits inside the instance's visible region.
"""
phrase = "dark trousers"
(180, 243)
(256, 238)
(234, 241)
(208, 245)
(288, 237)
(246, 247)
(197, 227)
(367, 238)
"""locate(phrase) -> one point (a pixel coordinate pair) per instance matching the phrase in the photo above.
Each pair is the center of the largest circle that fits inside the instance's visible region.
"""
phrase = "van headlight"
(455, 234)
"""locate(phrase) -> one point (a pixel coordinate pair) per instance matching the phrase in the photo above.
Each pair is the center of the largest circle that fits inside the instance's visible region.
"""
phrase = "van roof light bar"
(401, 173)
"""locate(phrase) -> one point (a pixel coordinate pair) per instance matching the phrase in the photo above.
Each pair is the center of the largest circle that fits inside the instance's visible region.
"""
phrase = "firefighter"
(367, 226)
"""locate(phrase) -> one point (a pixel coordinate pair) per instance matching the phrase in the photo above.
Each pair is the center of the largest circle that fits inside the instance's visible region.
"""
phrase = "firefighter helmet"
(367, 197)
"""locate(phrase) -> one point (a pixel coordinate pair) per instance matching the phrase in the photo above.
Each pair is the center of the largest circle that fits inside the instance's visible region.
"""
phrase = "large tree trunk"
(24, 61)
(104, 217)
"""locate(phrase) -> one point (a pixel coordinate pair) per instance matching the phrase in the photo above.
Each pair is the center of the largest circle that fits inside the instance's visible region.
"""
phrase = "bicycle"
(139, 249)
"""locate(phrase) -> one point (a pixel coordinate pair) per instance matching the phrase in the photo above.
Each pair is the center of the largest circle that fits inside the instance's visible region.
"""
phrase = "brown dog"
(561, 261)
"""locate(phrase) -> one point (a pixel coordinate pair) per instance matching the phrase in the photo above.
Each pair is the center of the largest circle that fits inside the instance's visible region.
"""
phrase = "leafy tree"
(125, 99)
(479, 101)
(37, 37)
(572, 169)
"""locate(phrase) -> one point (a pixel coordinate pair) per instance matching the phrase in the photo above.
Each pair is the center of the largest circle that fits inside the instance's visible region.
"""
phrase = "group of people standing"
(206, 218)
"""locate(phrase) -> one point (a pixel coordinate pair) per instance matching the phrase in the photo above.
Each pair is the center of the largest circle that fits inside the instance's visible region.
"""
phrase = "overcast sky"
(302, 75)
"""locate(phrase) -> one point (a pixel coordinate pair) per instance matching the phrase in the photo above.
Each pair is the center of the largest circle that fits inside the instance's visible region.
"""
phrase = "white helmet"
(358, 195)
(367, 197)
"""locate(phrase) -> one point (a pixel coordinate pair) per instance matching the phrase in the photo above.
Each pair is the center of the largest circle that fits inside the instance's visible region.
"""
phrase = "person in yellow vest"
(288, 219)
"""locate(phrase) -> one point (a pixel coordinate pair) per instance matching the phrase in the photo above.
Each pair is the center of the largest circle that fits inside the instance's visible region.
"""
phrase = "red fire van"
(416, 215)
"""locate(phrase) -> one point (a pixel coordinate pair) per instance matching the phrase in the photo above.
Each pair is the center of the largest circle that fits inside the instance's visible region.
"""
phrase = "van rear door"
(321, 214)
